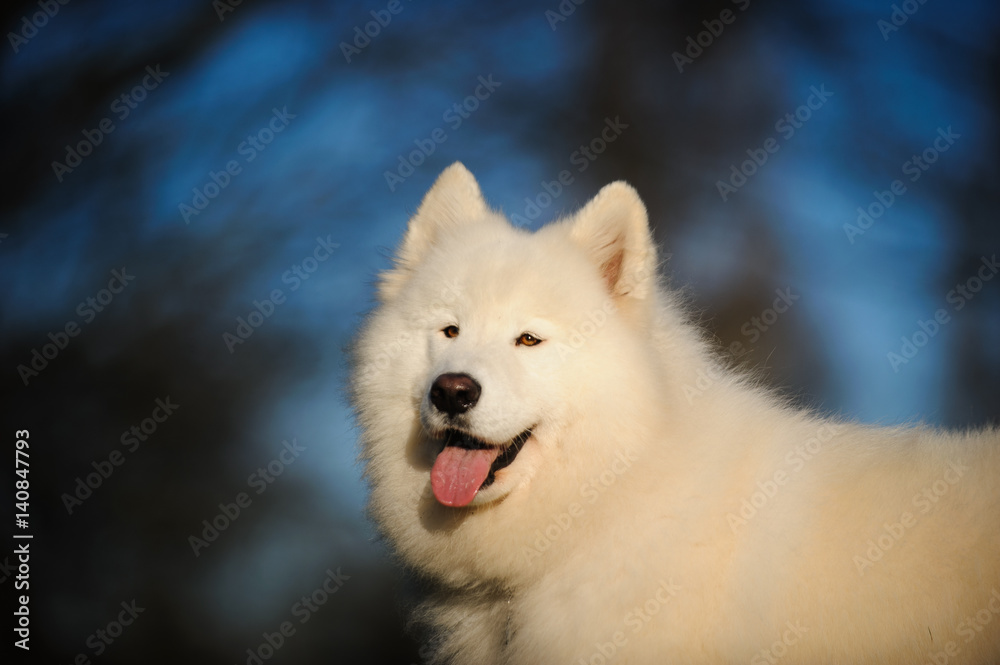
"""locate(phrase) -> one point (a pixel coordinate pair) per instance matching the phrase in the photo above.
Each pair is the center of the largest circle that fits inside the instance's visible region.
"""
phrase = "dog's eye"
(450, 331)
(527, 339)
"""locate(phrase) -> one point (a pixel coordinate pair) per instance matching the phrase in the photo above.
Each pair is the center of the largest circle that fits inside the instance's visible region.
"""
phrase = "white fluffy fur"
(623, 501)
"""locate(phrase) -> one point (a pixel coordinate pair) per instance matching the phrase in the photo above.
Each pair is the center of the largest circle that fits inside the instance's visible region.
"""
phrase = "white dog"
(536, 447)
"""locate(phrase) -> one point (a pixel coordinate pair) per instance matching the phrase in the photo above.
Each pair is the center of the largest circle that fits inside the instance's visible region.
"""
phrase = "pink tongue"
(458, 473)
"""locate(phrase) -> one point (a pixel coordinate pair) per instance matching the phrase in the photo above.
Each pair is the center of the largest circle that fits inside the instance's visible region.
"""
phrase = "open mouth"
(466, 465)
(454, 437)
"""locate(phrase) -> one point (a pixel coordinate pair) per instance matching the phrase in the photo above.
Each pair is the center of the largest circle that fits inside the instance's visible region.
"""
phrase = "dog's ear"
(614, 231)
(453, 200)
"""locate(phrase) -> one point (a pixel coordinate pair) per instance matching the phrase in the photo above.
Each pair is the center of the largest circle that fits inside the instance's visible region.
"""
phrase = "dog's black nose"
(455, 393)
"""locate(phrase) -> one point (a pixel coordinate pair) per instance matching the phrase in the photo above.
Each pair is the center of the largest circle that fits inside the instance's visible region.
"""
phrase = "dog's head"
(491, 343)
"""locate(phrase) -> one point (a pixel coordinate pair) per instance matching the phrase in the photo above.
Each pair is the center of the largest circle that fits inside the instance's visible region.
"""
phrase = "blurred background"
(169, 166)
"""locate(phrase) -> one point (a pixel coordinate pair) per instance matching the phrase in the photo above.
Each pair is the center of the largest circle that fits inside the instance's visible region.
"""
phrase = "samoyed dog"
(561, 454)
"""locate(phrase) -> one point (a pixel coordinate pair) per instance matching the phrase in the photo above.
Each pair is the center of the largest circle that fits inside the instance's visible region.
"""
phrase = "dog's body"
(592, 505)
